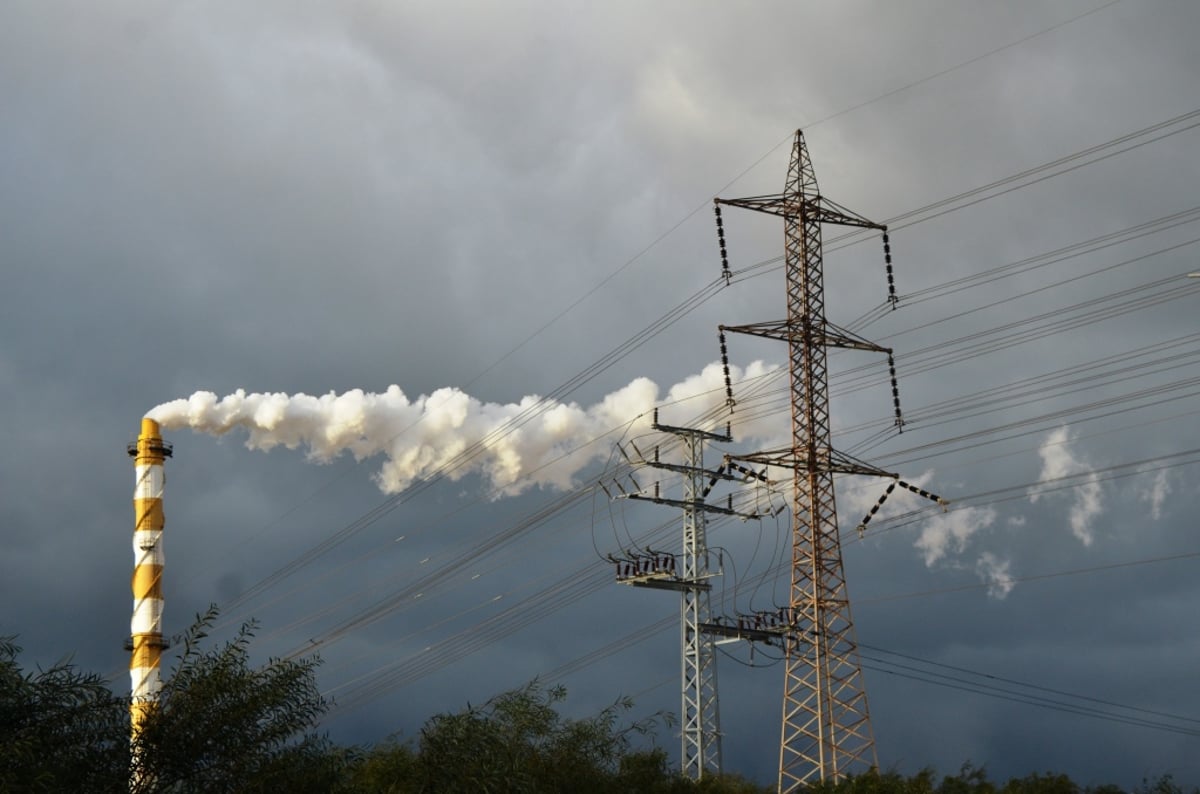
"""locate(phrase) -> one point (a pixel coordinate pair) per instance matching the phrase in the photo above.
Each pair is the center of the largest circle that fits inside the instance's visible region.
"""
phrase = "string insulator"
(711, 483)
(725, 367)
(862, 525)
(924, 493)
(721, 242)
(891, 280)
(895, 392)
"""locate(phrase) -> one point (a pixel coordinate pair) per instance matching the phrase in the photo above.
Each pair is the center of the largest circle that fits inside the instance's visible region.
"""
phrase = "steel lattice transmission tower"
(700, 714)
(700, 752)
(826, 728)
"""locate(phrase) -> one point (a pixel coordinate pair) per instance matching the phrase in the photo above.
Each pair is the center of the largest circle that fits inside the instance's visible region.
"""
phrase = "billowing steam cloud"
(514, 446)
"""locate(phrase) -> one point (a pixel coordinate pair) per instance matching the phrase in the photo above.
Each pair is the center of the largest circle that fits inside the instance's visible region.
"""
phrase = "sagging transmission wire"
(1048, 485)
(460, 464)
(467, 455)
(909, 218)
(436, 579)
(551, 583)
(1097, 372)
(871, 375)
(567, 590)
(472, 639)
(1044, 486)
(1005, 185)
(441, 575)
(988, 687)
(474, 551)
(516, 618)
(1003, 398)
(1025, 578)
(643, 633)
(1038, 423)
(1054, 285)
(1016, 332)
(1012, 690)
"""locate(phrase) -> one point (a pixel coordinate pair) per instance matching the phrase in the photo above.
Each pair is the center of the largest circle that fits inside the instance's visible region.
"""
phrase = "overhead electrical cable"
(392, 502)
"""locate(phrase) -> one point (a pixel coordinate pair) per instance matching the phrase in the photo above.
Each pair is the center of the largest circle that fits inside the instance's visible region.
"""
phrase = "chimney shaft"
(146, 641)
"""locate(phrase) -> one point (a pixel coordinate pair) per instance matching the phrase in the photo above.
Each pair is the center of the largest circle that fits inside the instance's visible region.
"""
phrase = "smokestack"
(146, 640)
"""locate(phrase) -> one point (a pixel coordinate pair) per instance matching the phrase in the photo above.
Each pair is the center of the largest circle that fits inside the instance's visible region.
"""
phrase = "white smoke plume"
(949, 533)
(1156, 493)
(1058, 462)
(994, 572)
(422, 437)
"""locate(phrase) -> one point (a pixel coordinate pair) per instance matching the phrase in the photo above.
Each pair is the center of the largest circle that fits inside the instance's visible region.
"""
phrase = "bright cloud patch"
(949, 533)
(1155, 492)
(1060, 464)
(995, 574)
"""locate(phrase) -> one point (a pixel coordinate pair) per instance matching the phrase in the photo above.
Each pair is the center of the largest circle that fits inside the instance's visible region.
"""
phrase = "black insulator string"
(725, 365)
(887, 261)
(711, 483)
(895, 392)
(862, 525)
(923, 493)
(721, 242)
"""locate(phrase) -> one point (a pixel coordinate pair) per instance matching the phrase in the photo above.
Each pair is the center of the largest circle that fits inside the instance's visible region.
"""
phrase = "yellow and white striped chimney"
(146, 641)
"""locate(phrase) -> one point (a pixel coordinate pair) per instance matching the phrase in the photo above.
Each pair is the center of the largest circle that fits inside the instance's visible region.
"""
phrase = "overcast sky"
(315, 197)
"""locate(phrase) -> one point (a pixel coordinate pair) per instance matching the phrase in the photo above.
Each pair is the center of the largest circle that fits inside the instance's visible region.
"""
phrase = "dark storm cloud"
(314, 198)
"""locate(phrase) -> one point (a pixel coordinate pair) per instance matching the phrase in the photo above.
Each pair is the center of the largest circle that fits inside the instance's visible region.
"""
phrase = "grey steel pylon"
(700, 735)
(700, 714)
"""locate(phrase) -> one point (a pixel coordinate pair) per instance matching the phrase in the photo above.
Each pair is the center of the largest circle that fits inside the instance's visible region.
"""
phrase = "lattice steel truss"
(700, 718)
(826, 728)
(700, 715)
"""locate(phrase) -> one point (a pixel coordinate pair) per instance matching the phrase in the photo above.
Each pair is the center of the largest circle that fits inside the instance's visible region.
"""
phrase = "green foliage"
(387, 768)
(974, 780)
(518, 742)
(1164, 784)
(222, 725)
(60, 729)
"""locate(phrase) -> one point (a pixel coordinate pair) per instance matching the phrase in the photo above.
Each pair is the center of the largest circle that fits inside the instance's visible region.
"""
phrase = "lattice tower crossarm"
(826, 727)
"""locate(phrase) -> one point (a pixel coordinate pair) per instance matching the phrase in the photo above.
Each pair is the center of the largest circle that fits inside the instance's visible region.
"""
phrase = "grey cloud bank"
(306, 199)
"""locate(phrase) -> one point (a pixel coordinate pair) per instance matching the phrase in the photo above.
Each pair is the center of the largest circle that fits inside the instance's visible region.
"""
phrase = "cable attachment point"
(721, 242)
(895, 392)
(725, 366)
(887, 261)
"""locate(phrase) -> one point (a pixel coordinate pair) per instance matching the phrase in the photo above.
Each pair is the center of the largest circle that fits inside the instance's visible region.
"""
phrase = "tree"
(60, 729)
(518, 742)
(223, 725)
